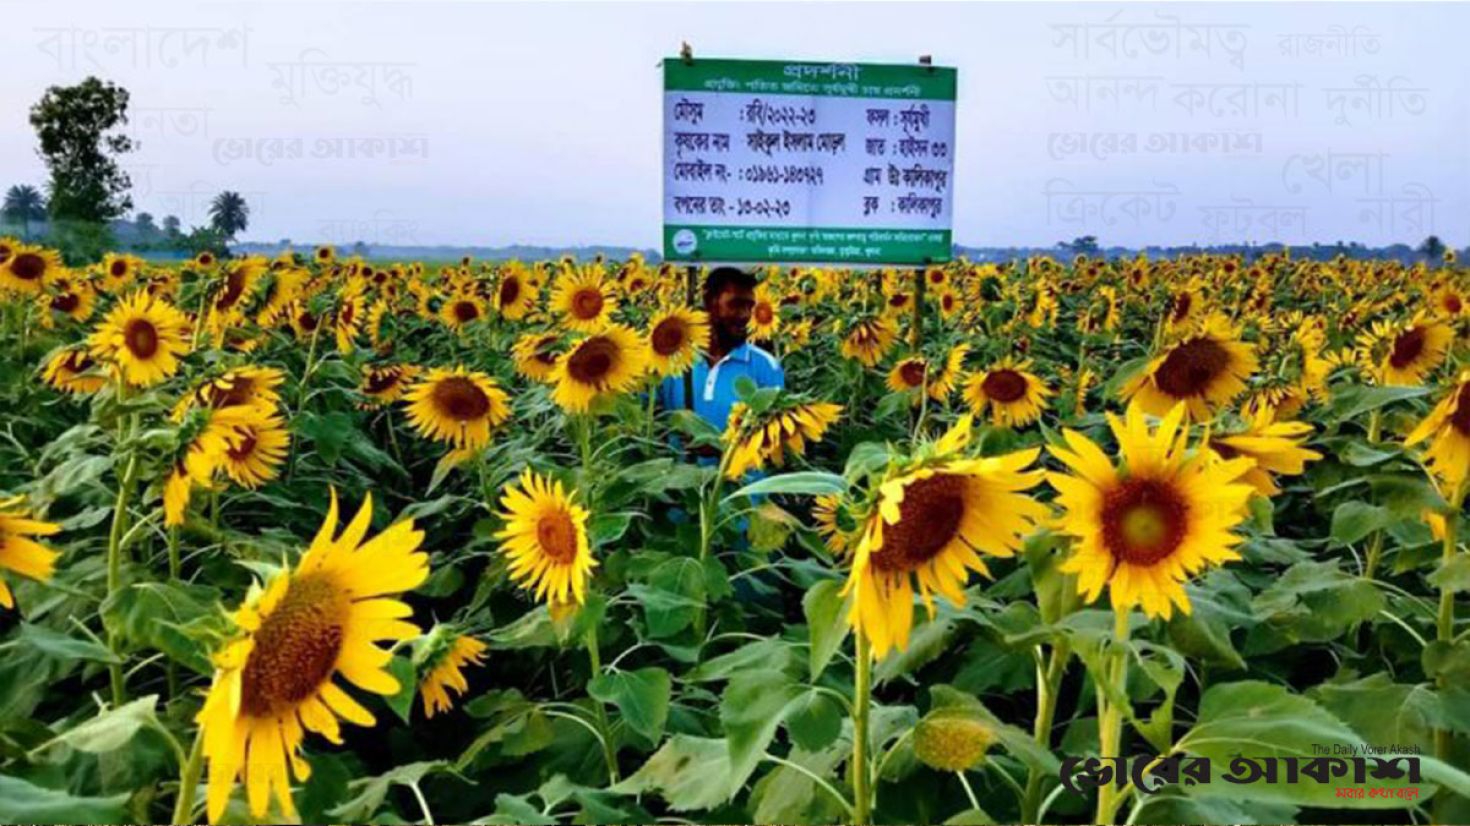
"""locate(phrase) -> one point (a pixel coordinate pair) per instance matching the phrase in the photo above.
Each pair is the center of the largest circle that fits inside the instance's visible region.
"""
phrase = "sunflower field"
(317, 539)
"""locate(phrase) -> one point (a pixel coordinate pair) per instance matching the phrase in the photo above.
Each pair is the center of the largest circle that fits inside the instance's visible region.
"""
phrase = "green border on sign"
(832, 245)
(811, 78)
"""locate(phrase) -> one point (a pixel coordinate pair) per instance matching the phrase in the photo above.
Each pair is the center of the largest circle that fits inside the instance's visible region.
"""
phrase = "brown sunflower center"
(466, 311)
(242, 449)
(898, 300)
(1461, 417)
(1191, 367)
(928, 519)
(234, 288)
(1182, 303)
(912, 373)
(1004, 386)
(66, 302)
(1406, 348)
(1453, 304)
(460, 399)
(141, 338)
(592, 361)
(668, 337)
(307, 321)
(510, 290)
(1143, 521)
(557, 535)
(28, 266)
(231, 391)
(764, 313)
(381, 381)
(118, 269)
(587, 303)
(78, 361)
(296, 647)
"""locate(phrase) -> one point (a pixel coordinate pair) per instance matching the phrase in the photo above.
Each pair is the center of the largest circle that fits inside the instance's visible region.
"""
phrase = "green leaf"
(1453, 575)
(1355, 400)
(59, 646)
(751, 709)
(1312, 602)
(111, 729)
(370, 792)
(686, 771)
(22, 802)
(180, 619)
(641, 696)
(1354, 521)
(806, 482)
(760, 655)
(814, 719)
(402, 703)
(826, 621)
(1265, 720)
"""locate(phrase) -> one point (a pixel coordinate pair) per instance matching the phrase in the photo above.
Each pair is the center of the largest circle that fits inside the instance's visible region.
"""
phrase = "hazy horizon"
(489, 125)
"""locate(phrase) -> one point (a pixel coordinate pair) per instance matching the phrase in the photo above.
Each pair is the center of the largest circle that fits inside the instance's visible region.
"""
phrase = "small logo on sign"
(685, 241)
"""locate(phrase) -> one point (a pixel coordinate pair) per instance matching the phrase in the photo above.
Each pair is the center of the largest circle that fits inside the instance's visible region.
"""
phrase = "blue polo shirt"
(714, 384)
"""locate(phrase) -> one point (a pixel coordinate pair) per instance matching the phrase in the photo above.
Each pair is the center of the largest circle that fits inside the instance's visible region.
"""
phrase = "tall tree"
(80, 145)
(1432, 248)
(147, 229)
(229, 214)
(24, 204)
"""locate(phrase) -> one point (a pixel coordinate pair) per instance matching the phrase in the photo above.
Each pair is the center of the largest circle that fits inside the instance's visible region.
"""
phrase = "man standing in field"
(729, 297)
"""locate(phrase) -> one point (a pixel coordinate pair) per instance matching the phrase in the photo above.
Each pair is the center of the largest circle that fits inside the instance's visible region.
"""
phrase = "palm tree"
(24, 204)
(229, 214)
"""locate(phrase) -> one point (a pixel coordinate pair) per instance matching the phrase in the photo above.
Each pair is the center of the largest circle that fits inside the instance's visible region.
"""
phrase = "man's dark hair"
(722, 278)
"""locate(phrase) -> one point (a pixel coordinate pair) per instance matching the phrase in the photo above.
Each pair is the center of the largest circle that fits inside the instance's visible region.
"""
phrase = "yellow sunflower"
(835, 523)
(765, 314)
(119, 271)
(1016, 396)
(927, 529)
(1274, 447)
(457, 406)
(676, 336)
(29, 268)
(461, 309)
(249, 386)
(1403, 355)
(69, 297)
(545, 539)
(20, 553)
(144, 336)
(256, 449)
(535, 355)
(584, 300)
(606, 363)
(275, 681)
(387, 383)
(868, 340)
(908, 376)
(1204, 370)
(1146, 526)
(769, 439)
(324, 254)
(515, 297)
(73, 370)
(1447, 429)
(444, 675)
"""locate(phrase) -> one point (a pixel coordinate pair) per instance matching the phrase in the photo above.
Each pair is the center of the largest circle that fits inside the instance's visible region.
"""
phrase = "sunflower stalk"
(594, 658)
(862, 691)
(1443, 737)
(1110, 716)
(1048, 686)
(115, 545)
(189, 774)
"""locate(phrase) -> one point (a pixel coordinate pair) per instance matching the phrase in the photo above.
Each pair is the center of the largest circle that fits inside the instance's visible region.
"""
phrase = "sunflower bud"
(947, 741)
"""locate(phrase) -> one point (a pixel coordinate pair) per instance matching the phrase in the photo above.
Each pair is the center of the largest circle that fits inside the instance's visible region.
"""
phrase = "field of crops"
(317, 539)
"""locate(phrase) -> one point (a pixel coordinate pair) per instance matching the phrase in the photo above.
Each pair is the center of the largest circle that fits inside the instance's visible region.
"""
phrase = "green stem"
(862, 689)
(1110, 718)
(114, 560)
(1375, 425)
(594, 658)
(189, 781)
(1048, 685)
(1443, 738)
(1375, 553)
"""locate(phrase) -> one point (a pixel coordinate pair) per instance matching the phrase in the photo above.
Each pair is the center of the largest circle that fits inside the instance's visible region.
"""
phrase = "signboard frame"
(774, 82)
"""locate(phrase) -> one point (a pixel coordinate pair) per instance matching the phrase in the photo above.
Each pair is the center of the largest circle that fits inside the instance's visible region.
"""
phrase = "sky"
(461, 123)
